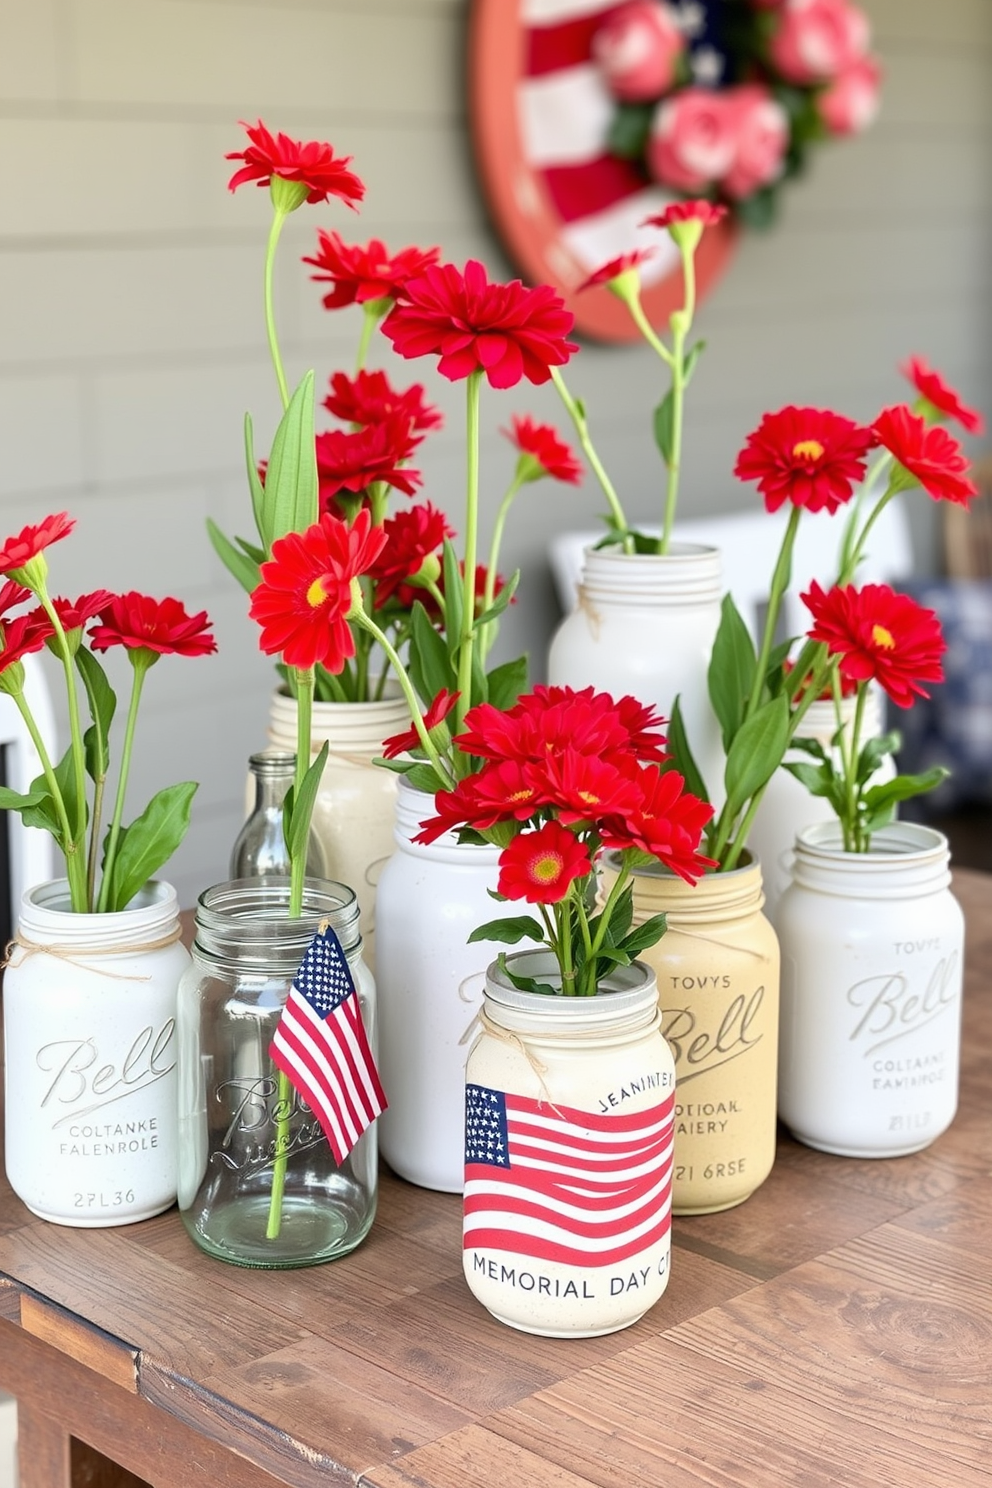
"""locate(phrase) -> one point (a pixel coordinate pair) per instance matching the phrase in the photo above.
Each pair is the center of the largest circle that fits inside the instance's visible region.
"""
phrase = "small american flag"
(565, 1185)
(321, 1046)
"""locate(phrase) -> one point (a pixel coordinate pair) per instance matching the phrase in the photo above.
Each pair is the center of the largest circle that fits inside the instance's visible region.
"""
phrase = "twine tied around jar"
(522, 1047)
(69, 954)
(595, 618)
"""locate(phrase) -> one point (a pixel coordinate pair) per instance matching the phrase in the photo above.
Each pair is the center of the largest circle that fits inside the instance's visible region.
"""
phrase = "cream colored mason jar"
(568, 1153)
(353, 813)
(718, 989)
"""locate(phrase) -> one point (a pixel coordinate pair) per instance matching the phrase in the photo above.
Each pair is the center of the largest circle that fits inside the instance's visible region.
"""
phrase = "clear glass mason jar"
(246, 952)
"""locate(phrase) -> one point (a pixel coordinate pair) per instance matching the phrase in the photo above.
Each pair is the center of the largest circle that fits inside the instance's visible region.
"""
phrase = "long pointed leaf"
(291, 476)
(756, 752)
(731, 671)
(682, 758)
(254, 481)
(150, 841)
(103, 705)
(236, 562)
(298, 812)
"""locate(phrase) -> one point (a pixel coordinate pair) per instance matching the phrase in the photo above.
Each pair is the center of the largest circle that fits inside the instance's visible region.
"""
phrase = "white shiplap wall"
(131, 338)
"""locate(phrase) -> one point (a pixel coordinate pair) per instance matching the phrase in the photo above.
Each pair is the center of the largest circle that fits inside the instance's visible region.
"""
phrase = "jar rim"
(251, 915)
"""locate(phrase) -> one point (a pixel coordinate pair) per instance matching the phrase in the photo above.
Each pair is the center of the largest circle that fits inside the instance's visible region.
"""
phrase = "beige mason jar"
(718, 986)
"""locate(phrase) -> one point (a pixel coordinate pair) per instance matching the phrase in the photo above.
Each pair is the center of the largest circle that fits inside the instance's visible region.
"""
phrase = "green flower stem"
(73, 863)
(648, 331)
(278, 219)
(566, 962)
(780, 581)
(857, 507)
(379, 502)
(488, 635)
(619, 885)
(436, 595)
(847, 572)
(140, 661)
(99, 786)
(427, 743)
(370, 319)
(75, 727)
(471, 539)
(576, 414)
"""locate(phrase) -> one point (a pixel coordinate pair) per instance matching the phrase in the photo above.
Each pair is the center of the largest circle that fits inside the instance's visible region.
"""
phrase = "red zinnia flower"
(75, 613)
(930, 385)
(586, 788)
(504, 330)
(668, 823)
(541, 866)
(162, 626)
(411, 536)
(699, 210)
(622, 264)
(353, 461)
(808, 456)
(11, 594)
(312, 164)
(32, 540)
(305, 595)
(21, 635)
(368, 398)
(363, 274)
(931, 455)
(879, 635)
(410, 739)
(551, 454)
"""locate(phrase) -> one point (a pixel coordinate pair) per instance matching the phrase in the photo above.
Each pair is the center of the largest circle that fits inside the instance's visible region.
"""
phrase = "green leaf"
(690, 359)
(423, 777)
(758, 210)
(254, 482)
(622, 916)
(43, 813)
(526, 984)
(150, 841)
(756, 752)
(629, 130)
(775, 671)
(731, 671)
(810, 746)
(819, 780)
(506, 682)
(664, 426)
(291, 477)
(430, 665)
(253, 551)
(682, 759)
(236, 563)
(903, 788)
(103, 705)
(646, 935)
(500, 601)
(873, 753)
(11, 800)
(297, 812)
(509, 931)
(452, 602)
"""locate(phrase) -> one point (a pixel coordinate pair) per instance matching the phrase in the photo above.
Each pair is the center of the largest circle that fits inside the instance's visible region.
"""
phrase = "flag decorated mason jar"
(568, 1152)
(278, 1091)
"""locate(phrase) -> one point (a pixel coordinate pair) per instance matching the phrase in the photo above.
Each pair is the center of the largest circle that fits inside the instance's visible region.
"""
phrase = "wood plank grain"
(963, 1219)
(99, 1351)
(10, 1300)
(44, 1450)
(473, 1458)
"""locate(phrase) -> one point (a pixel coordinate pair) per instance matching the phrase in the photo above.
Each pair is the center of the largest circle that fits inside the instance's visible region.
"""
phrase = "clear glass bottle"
(246, 951)
(260, 848)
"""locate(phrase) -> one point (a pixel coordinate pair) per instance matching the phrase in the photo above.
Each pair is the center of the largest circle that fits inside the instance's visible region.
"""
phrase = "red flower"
(585, 788)
(668, 823)
(162, 626)
(930, 385)
(808, 456)
(698, 210)
(504, 330)
(312, 164)
(848, 686)
(305, 595)
(11, 594)
(929, 453)
(541, 866)
(363, 274)
(410, 739)
(551, 454)
(368, 398)
(551, 720)
(17, 551)
(622, 264)
(352, 462)
(21, 635)
(411, 536)
(75, 613)
(880, 636)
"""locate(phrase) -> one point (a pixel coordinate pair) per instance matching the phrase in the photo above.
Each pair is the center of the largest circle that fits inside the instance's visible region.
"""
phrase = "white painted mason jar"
(568, 1153)
(787, 806)
(353, 812)
(90, 1057)
(429, 900)
(645, 625)
(872, 950)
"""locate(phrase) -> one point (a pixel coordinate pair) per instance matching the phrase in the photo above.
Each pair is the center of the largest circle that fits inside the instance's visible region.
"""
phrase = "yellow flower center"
(520, 795)
(808, 449)
(546, 869)
(883, 637)
(316, 594)
(589, 798)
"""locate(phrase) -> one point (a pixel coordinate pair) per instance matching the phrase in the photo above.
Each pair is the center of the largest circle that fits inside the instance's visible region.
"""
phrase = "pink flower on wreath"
(849, 103)
(693, 139)
(817, 40)
(637, 49)
(761, 137)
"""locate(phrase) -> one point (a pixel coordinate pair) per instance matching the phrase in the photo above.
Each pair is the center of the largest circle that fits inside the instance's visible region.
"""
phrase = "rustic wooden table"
(834, 1330)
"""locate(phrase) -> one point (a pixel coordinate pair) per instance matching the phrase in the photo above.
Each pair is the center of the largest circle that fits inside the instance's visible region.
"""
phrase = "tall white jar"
(429, 900)
(568, 1153)
(353, 812)
(872, 951)
(645, 625)
(90, 1057)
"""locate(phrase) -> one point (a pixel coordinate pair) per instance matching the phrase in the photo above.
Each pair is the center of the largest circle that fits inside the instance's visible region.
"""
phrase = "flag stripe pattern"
(565, 1185)
(320, 1044)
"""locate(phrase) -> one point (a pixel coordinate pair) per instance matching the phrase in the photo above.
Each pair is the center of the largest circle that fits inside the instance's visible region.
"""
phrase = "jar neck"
(689, 574)
(245, 922)
(820, 720)
(413, 808)
(717, 898)
(906, 861)
(46, 917)
(273, 772)
(348, 728)
(626, 1003)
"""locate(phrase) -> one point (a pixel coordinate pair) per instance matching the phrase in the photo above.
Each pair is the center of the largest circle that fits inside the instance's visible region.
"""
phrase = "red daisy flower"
(699, 210)
(616, 267)
(504, 330)
(879, 635)
(312, 164)
(932, 457)
(75, 613)
(32, 540)
(941, 396)
(642, 723)
(541, 866)
(11, 594)
(22, 634)
(162, 626)
(305, 595)
(551, 455)
(362, 274)
(353, 461)
(668, 823)
(368, 398)
(586, 788)
(411, 536)
(808, 456)
(436, 713)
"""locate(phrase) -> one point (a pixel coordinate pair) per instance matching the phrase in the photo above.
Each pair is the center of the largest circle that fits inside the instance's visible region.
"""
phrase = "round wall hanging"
(588, 117)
